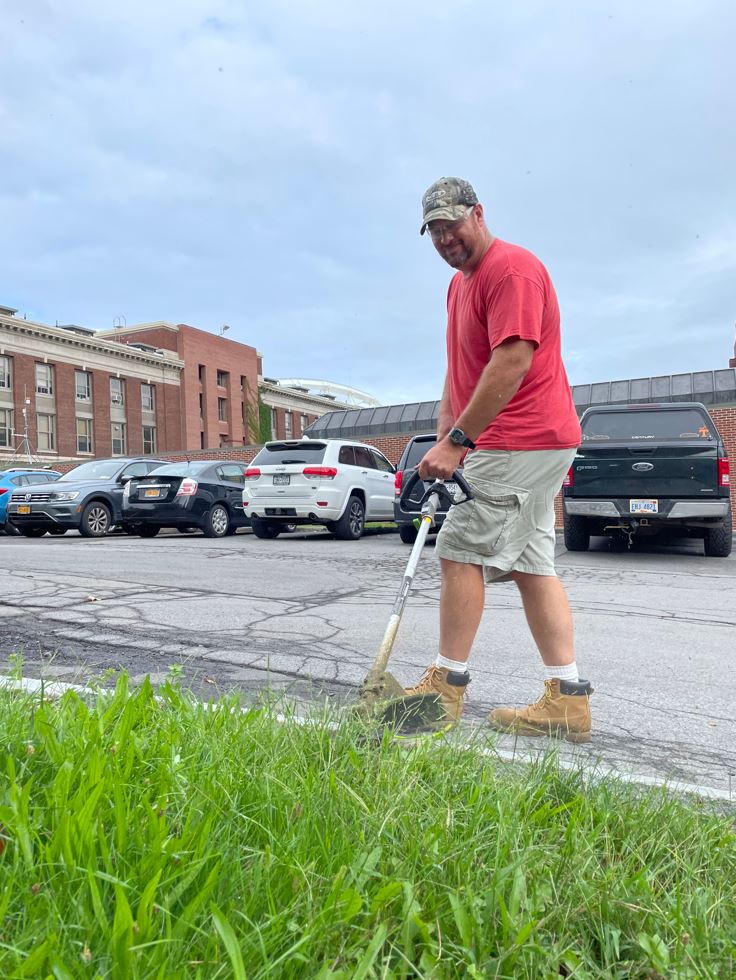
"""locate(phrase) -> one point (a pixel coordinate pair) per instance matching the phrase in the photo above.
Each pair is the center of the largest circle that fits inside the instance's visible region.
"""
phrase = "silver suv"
(331, 482)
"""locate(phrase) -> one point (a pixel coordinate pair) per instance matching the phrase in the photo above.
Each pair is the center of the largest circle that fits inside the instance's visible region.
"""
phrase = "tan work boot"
(448, 684)
(563, 710)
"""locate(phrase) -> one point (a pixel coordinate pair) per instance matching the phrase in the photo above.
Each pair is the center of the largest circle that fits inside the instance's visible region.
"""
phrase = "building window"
(6, 427)
(44, 379)
(222, 409)
(118, 438)
(84, 435)
(274, 424)
(305, 422)
(201, 440)
(149, 439)
(46, 433)
(83, 386)
(5, 376)
(222, 377)
(147, 398)
(201, 405)
(243, 384)
(288, 425)
(117, 391)
(200, 373)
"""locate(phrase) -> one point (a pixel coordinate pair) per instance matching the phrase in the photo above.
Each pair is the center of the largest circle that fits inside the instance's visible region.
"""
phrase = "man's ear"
(478, 210)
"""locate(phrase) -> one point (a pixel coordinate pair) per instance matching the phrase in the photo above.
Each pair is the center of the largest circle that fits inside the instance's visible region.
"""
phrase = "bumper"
(672, 510)
(403, 516)
(45, 515)
(178, 512)
(327, 506)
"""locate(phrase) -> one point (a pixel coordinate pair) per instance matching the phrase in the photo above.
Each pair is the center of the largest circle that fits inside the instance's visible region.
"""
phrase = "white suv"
(338, 484)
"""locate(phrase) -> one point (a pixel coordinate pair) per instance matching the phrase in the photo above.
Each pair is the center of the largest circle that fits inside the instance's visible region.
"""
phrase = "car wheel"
(216, 522)
(718, 541)
(576, 533)
(58, 531)
(147, 530)
(11, 530)
(351, 524)
(32, 532)
(264, 529)
(96, 518)
(407, 533)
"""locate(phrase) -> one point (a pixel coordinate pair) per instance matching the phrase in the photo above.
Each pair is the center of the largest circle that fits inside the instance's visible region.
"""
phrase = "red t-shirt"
(509, 295)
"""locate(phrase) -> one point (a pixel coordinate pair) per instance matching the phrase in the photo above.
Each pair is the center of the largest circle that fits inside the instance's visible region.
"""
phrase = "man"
(507, 404)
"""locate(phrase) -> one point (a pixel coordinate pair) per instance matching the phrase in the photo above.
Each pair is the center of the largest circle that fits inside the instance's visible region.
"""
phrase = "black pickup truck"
(649, 470)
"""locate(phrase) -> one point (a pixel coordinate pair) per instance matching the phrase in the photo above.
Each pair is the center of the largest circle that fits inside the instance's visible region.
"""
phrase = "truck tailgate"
(645, 471)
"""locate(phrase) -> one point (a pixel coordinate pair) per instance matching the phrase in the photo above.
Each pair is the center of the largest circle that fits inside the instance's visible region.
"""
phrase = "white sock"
(567, 673)
(448, 664)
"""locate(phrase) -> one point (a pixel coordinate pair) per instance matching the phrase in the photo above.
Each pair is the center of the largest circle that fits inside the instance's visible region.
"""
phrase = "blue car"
(13, 479)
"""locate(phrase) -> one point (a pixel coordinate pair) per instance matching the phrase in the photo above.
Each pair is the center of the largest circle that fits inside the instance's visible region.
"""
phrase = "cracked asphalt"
(304, 614)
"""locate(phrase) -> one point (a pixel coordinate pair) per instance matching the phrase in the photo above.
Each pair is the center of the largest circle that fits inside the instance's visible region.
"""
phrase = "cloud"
(214, 162)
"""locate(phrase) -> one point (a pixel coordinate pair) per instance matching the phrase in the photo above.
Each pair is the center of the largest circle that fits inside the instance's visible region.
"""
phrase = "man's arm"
(498, 384)
(496, 387)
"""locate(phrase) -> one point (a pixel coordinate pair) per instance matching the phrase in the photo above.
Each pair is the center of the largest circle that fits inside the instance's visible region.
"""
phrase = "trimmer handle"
(437, 487)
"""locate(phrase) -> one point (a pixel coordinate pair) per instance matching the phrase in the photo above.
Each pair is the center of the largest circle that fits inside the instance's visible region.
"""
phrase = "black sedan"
(204, 494)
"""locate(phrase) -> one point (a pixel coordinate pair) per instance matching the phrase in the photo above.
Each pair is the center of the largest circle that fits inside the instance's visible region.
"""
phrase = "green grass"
(149, 838)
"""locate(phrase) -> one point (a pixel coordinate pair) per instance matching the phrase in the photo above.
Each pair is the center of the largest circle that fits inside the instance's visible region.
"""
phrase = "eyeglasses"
(438, 232)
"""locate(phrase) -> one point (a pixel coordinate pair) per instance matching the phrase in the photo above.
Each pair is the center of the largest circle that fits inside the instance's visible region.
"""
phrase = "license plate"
(281, 480)
(150, 493)
(643, 506)
(24, 509)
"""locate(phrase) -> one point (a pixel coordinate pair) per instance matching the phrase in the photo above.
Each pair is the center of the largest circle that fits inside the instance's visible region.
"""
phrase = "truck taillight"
(188, 488)
(398, 482)
(323, 472)
(724, 473)
(567, 482)
(252, 473)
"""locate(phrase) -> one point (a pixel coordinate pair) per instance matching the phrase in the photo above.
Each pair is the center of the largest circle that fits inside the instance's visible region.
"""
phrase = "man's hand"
(441, 461)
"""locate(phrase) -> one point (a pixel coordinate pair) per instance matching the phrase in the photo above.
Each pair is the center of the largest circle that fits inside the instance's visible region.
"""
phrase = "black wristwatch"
(458, 438)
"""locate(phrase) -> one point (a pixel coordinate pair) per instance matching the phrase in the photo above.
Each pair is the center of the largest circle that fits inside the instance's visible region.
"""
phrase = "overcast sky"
(261, 165)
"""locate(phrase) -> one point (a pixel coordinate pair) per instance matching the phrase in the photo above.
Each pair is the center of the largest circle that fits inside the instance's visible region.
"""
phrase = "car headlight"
(66, 495)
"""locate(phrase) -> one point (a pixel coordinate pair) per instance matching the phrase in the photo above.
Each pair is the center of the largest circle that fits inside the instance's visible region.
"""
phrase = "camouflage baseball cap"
(447, 198)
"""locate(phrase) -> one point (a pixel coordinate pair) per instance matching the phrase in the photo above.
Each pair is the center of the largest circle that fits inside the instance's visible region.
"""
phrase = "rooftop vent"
(74, 328)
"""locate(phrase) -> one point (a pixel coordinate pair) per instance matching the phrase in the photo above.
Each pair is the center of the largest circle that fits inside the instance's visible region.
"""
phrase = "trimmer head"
(415, 714)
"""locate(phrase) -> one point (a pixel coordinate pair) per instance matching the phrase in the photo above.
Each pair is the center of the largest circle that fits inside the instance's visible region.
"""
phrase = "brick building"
(219, 381)
(79, 396)
(150, 388)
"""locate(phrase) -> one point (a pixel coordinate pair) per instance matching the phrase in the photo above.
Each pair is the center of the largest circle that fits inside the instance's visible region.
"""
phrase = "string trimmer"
(382, 697)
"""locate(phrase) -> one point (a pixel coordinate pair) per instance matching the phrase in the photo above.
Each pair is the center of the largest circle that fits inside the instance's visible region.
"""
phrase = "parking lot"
(655, 628)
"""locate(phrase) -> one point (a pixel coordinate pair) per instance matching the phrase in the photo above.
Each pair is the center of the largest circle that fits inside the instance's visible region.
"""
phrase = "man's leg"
(549, 617)
(462, 595)
(461, 607)
(563, 709)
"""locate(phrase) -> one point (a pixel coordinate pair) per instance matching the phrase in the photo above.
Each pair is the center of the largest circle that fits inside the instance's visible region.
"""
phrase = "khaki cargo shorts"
(509, 526)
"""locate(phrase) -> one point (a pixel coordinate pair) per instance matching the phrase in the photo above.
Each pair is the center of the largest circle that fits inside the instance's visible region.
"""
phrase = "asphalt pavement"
(304, 614)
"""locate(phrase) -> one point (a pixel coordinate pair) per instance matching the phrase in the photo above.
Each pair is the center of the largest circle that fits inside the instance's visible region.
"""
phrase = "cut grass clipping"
(147, 838)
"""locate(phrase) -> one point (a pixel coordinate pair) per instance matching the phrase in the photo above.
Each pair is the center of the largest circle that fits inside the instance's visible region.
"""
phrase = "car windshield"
(98, 469)
(184, 468)
(290, 452)
(628, 426)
